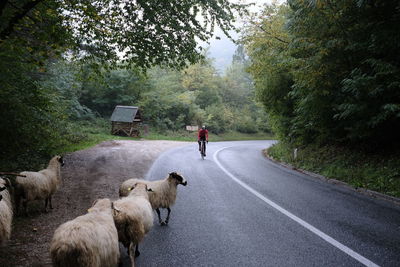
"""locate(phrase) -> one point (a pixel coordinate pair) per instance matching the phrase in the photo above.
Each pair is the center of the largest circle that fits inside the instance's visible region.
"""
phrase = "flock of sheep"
(93, 238)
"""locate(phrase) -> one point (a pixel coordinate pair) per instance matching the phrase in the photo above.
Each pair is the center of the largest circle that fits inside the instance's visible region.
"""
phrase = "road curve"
(240, 209)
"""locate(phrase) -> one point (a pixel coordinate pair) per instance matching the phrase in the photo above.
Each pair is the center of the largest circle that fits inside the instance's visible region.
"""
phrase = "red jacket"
(202, 134)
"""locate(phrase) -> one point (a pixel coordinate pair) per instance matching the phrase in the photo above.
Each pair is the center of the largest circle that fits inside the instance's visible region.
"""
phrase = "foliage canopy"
(328, 71)
(142, 33)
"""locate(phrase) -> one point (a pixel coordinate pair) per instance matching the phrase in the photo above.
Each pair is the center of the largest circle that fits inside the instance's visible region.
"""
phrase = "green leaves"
(267, 41)
(31, 115)
(147, 33)
(337, 79)
(198, 95)
(141, 33)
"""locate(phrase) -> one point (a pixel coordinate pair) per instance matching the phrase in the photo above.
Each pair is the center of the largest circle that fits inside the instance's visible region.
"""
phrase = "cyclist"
(202, 136)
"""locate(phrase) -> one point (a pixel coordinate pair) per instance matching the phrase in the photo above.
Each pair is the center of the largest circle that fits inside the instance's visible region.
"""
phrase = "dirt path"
(87, 175)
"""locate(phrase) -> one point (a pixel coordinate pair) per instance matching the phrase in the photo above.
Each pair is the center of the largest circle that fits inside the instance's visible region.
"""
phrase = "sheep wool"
(133, 218)
(163, 195)
(88, 240)
(39, 185)
(6, 211)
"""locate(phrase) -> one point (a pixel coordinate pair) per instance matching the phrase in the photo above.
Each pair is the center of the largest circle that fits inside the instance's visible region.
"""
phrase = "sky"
(222, 50)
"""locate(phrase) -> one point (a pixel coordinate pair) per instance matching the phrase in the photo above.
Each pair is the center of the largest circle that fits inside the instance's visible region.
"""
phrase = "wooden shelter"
(126, 121)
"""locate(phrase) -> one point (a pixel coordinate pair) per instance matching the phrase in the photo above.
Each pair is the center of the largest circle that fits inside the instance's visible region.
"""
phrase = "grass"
(192, 136)
(86, 134)
(92, 140)
(379, 173)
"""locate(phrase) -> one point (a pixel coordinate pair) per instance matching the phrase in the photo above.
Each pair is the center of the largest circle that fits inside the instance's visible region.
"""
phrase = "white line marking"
(306, 225)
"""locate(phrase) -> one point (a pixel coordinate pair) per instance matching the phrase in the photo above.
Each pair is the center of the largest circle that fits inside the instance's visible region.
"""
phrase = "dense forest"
(328, 71)
(169, 98)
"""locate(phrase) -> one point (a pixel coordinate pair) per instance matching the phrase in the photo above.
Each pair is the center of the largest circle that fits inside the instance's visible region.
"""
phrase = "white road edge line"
(303, 223)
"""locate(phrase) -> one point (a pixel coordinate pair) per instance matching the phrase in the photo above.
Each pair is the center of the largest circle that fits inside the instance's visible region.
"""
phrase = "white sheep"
(88, 240)
(38, 185)
(163, 195)
(133, 218)
(6, 210)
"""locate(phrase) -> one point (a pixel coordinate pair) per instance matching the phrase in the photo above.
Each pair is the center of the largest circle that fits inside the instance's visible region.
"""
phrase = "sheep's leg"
(51, 205)
(159, 217)
(137, 253)
(25, 204)
(46, 201)
(131, 254)
(17, 203)
(169, 212)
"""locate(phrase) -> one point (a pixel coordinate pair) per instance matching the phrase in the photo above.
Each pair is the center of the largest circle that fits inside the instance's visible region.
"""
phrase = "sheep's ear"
(61, 160)
(115, 209)
(112, 206)
(94, 202)
(178, 177)
(175, 175)
(8, 182)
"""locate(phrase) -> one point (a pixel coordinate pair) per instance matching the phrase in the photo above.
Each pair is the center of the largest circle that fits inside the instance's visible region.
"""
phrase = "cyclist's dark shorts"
(203, 138)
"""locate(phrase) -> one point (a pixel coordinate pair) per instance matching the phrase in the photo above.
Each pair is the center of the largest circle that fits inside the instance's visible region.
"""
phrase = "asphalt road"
(240, 209)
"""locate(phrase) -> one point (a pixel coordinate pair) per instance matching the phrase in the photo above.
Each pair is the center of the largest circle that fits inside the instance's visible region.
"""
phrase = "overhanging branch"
(270, 34)
(24, 10)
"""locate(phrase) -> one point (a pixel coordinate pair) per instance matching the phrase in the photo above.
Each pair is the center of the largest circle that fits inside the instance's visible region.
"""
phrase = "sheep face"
(61, 160)
(179, 178)
(4, 184)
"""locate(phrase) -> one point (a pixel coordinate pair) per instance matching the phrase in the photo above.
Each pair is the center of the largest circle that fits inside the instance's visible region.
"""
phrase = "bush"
(378, 172)
(246, 125)
(219, 119)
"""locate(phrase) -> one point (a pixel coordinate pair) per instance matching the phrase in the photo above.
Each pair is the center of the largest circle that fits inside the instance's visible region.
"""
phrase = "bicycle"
(202, 149)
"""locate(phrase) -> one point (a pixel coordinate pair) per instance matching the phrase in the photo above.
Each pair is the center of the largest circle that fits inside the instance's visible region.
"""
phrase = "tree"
(267, 41)
(240, 55)
(219, 119)
(201, 78)
(237, 88)
(346, 79)
(30, 116)
(328, 71)
(143, 33)
(114, 87)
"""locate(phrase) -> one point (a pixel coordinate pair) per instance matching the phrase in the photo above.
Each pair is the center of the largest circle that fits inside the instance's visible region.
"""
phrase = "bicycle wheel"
(202, 149)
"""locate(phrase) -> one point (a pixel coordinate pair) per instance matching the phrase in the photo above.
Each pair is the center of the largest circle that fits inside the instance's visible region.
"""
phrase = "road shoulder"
(361, 190)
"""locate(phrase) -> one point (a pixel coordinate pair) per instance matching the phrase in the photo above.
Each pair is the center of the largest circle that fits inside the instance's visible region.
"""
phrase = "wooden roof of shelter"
(126, 114)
